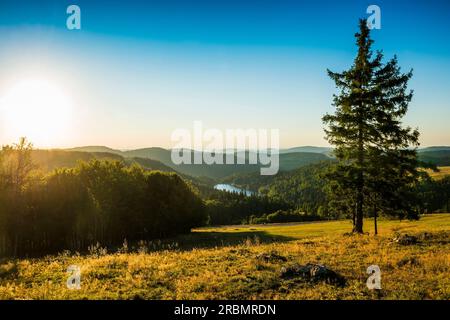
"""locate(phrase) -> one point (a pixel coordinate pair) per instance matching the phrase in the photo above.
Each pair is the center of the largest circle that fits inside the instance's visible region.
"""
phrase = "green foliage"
(377, 162)
(434, 195)
(236, 208)
(436, 157)
(302, 188)
(98, 201)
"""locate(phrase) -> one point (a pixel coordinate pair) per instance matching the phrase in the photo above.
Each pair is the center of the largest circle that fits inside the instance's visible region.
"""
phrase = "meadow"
(225, 263)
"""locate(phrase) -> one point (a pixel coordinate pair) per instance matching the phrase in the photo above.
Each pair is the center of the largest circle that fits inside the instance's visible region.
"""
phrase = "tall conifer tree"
(377, 155)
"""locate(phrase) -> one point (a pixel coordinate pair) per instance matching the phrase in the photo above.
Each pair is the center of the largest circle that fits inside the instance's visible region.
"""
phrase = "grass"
(221, 263)
(443, 172)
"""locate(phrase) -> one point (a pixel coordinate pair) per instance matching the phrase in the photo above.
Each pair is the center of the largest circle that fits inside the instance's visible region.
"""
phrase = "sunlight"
(38, 110)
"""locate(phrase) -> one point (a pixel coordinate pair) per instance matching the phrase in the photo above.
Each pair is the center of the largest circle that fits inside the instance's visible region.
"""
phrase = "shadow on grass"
(211, 239)
(186, 242)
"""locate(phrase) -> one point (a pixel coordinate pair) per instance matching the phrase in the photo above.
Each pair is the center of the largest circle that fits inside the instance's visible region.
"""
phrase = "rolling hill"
(290, 159)
(438, 157)
(312, 149)
(435, 148)
(48, 160)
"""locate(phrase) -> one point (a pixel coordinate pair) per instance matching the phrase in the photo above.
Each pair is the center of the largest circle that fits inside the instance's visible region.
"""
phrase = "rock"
(405, 239)
(313, 273)
(8, 270)
(270, 257)
(348, 234)
(426, 236)
(408, 261)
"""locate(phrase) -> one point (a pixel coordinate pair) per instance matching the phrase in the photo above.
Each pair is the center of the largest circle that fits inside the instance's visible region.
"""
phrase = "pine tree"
(376, 164)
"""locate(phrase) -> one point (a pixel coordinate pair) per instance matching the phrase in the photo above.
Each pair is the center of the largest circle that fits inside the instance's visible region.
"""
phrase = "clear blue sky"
(137, 70)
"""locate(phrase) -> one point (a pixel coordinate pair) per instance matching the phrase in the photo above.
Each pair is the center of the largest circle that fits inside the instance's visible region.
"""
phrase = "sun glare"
(38, 110)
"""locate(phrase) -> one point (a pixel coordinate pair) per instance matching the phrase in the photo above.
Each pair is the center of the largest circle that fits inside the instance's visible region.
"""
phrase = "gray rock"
(405, 239)
(270, 257)
(313, 273)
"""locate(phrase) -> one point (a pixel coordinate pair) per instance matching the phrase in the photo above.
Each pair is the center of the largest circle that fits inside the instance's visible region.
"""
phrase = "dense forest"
(304, 189)
(103, 202)
(237, 208)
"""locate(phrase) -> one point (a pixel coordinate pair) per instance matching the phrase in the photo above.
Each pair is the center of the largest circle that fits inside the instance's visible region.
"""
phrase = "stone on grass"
(405, 239)
(313, 273)
(270, 257)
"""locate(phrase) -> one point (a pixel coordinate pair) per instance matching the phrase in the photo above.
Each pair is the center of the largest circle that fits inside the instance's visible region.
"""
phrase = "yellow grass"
(443, 172)
(223, 265)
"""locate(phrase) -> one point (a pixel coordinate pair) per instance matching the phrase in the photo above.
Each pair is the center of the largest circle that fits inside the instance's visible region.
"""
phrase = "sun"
(36, 109)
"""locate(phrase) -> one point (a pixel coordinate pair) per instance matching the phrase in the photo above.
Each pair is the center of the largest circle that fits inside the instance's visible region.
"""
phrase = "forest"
(98, 201)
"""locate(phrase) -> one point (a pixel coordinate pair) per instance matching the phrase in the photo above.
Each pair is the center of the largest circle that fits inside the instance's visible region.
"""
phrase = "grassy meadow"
(222, 263)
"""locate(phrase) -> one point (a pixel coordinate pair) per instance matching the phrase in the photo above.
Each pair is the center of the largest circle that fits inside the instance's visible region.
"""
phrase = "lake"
(231, 188)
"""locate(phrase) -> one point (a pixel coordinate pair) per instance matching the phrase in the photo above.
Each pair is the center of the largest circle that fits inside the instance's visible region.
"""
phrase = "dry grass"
(224, 266)
(443, 172)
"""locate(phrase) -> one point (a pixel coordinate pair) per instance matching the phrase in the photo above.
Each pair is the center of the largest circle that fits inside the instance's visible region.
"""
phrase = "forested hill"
(438, 156)
(289, 159)
(301, 188)
(48, 160)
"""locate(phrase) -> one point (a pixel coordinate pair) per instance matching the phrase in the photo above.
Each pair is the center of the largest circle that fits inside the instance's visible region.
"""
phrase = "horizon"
(132, 75)
(204, 150)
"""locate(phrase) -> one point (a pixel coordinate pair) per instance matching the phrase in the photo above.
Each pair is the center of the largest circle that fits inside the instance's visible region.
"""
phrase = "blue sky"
(137, 70)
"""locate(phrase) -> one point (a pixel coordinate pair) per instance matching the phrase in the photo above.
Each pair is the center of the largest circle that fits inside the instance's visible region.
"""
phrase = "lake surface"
(230, 188)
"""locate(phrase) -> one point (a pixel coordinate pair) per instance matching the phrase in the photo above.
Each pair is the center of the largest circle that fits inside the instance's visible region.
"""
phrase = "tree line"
(308, 191)
(97, 201)
(237, 208)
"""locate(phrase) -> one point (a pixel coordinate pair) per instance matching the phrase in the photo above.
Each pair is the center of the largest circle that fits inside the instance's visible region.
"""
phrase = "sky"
(138, 70)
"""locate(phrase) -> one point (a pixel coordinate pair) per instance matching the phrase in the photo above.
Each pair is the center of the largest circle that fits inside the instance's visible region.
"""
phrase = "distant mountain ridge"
(439, 157)
(312, 149)
(152, 150)
(290, 159)
(434, 148)
(94, 149)
(48, 160)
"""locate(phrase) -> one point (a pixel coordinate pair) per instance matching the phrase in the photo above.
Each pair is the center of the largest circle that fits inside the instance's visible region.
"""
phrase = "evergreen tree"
(376, 162)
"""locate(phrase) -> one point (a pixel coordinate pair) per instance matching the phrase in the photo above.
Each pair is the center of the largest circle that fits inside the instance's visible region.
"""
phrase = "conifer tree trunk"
(375, 215)
(358, 227)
